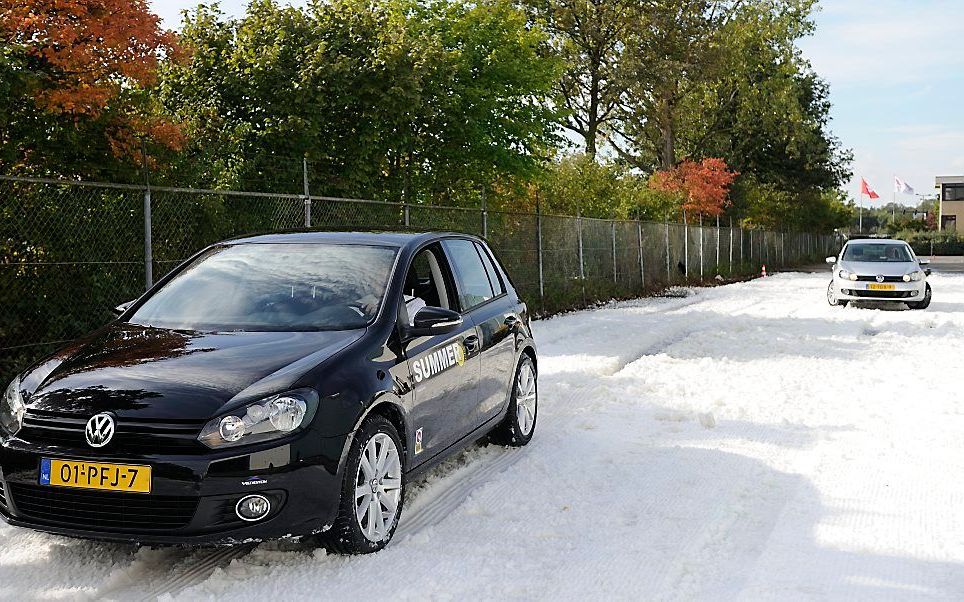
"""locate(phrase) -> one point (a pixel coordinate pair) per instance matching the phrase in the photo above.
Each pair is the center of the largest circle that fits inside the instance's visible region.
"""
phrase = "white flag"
(902, 187)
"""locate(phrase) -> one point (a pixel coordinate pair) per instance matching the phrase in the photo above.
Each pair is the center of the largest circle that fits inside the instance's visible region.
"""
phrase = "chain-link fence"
(70, 251)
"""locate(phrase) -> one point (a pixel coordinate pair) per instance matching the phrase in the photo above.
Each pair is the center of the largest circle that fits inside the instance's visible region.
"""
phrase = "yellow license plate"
(881, 287)
(128, 478)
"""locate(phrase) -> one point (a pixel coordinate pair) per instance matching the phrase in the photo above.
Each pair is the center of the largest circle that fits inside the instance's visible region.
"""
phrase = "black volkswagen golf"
(273, 386)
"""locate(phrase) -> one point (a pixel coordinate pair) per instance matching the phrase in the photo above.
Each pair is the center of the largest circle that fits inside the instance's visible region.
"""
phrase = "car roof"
(876, 241)
(387, 238)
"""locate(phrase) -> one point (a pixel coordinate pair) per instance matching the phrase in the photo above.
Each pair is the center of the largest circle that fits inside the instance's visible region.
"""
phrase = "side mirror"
(120, 309)
(831, 260)
(924, 261)
(431, 321)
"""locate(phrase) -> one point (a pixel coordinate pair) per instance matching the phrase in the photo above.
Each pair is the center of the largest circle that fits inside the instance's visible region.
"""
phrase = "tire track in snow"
(159, 571)
(163, 576)
(456, 492)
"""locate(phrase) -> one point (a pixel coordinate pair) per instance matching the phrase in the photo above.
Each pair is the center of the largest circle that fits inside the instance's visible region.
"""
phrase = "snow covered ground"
(746, 442)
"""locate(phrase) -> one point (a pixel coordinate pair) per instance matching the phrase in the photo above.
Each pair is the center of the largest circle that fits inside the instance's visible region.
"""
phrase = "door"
(483, 296)
(444, 369)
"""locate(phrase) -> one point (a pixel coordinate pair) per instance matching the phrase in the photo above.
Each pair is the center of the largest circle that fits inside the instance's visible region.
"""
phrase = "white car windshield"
(274, 287)
(877, 253)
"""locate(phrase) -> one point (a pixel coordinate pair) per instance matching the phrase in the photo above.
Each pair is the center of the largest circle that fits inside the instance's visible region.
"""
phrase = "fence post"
(304, 171)
(615, 277)
(731, 245)
(542, 285)
(669, 272)
(148, 242)
(686, 246)
(717, 243)
(485, 216)
(582, 265)
(642, 268)
(701, 246)
(751, 250)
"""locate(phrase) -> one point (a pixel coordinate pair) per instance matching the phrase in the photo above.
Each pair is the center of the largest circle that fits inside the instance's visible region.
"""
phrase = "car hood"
(153, 373)
(865, 268)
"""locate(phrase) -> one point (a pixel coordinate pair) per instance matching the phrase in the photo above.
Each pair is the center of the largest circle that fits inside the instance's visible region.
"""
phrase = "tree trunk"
(667, 130)
(592, 119)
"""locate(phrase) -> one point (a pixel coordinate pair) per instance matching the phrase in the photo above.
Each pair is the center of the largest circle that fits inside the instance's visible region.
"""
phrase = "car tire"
(519, 424)
(925, 303)
(832, 297)
(366, 522)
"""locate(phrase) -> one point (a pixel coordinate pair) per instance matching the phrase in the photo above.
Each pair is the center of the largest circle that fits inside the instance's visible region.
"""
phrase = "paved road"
(939, 264)
(953, 264)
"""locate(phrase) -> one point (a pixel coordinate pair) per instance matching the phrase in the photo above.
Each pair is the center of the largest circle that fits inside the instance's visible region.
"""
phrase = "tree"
(78, 69)
(768, 113)
(590, 36)
(389, 99)
(677, 46)
(701, 188)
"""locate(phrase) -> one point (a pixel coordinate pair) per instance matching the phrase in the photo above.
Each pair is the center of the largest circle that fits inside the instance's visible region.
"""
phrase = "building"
(951, 215)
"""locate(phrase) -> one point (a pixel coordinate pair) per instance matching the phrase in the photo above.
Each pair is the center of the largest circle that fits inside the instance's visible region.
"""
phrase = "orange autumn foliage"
(702, 187)
(89, 50)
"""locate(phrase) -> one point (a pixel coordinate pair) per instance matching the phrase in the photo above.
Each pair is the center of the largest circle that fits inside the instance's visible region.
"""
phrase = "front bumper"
(192, 499)
(902, 292)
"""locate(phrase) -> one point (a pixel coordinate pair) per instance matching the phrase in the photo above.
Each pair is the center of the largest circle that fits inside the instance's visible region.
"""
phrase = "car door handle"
(511, 320)
(471, 343)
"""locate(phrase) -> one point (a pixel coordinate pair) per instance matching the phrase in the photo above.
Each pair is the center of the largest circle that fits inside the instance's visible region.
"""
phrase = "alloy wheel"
(526, 399)
(378, 487)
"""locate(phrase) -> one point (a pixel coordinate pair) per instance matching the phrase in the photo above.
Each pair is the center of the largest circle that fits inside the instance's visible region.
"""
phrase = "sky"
(896, 74)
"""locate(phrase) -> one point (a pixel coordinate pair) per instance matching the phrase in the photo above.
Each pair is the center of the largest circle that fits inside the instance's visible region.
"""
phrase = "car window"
(273, 287)
(471, 278)
(497, 287)
(425, 281)
(877, 253)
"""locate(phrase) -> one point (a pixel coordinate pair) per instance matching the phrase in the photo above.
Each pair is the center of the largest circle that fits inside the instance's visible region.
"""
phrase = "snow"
(740, 442)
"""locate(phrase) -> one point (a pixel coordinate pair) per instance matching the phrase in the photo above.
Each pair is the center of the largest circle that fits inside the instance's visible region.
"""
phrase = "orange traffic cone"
(763, 274)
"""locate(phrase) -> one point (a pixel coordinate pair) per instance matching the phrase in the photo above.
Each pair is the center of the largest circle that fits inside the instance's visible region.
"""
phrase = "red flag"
(866, 189)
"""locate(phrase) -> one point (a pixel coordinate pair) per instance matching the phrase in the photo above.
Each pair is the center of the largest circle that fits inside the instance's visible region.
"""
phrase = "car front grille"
(874, 279)
(881, 294)
(132, 437)
(99, 511)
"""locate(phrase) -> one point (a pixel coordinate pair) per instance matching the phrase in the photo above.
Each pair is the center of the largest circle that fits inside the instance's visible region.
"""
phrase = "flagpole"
(893, 206)
(860, 226)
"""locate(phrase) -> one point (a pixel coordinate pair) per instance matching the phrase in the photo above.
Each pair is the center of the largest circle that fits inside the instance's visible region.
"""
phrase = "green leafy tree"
(390, 99)
(590, 37)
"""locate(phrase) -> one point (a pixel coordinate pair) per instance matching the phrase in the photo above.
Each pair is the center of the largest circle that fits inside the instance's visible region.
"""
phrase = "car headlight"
(914, 276)
(847, 275)
(270, 418)
(12, 409)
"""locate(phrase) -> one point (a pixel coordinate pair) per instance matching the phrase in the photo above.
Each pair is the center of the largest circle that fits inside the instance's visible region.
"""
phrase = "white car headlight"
(12, 408)
(915, 276)
(270, 418)
(847, 275)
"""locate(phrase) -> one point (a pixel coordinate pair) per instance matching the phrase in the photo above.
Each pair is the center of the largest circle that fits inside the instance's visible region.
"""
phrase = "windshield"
(274, 287)
(874, 253)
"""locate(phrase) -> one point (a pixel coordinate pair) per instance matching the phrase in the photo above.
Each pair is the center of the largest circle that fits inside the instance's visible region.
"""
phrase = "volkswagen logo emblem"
(880, 278)
(100, 430)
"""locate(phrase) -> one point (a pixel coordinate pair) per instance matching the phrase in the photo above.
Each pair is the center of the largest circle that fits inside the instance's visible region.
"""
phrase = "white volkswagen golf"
(879, 270)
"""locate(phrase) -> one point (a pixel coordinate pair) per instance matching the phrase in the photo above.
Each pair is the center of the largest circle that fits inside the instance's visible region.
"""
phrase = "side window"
(472, 280)
(425, 283)
(497, 287)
